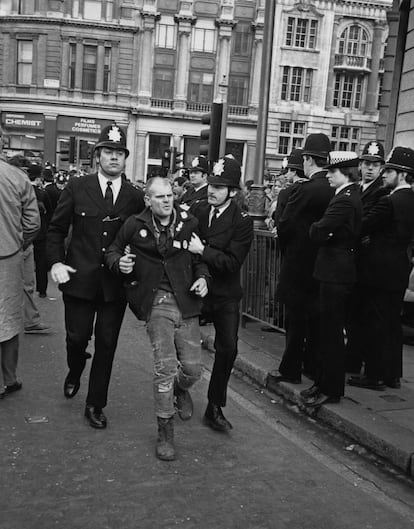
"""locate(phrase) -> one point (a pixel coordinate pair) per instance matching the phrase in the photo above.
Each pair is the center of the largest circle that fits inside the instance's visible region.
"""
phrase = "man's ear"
(232, 193)
(147, 200)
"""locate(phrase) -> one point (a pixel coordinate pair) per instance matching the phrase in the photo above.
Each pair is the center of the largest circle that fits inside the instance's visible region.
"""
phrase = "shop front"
(23, 133)
(75, 140)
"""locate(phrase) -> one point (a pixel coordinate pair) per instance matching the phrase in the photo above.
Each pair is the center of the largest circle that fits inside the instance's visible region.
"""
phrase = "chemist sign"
(81, 126)
(22, 121)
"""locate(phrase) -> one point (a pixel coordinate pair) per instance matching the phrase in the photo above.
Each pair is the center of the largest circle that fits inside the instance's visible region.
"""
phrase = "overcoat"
(307, 204)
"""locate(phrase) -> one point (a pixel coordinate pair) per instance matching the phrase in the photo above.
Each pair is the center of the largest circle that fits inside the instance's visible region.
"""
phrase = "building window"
(72, 65)
(157, 145)
(236, 148)
(353, 41)
(348, 90)
(89, 68)
(238, 90)
(242, 39)
(296, 84)
(191, 150)
(204, 38)
(165, 36)
(301, 33)
(24, 62)
(201, 87)
(26, 7)
(292, 136)
(163, 84)
(345, 138)
(107, 69)
(92, 9)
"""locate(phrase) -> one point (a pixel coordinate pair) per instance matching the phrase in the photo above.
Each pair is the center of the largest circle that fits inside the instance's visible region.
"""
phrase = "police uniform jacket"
(193, 196)
(336, 234)
(306, 205)
(181, 267)
(227, 243)
(371, 195)
(94, 225)
(388, 230)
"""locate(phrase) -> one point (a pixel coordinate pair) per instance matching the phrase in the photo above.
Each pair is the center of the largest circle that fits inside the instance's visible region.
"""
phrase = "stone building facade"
(396, 123)
(69, 67)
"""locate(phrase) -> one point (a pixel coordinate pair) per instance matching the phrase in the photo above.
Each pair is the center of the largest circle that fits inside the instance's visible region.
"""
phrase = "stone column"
(79, 66)
(223, 65)
(140, 170)
(147, 53)
(65, 65)
(256, 67)
(50, 138)
(331, 71)
(100, 66)
(40, 73)
(372, 89)
(184, 23)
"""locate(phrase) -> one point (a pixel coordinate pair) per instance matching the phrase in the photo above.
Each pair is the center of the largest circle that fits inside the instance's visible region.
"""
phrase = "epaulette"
(244, 213)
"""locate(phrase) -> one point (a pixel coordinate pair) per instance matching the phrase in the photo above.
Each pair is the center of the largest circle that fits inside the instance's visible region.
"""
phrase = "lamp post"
(257, 195)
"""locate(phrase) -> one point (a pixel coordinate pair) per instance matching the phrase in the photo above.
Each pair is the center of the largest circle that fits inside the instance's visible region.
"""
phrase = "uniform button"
(104, 249)
(105, 233)
(83, 213)
(102, 265)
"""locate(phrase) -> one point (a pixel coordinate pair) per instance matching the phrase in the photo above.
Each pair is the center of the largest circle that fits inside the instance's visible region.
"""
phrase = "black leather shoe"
(393, 383)
(310, 392)
(277, 377)
(183, 402)
(17, 386)
(366, 383)
(95, 416)
(70, 387)
(320, 399)
(215, 419)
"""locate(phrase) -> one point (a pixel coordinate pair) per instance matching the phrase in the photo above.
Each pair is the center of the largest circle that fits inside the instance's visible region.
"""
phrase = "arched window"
(353, 41)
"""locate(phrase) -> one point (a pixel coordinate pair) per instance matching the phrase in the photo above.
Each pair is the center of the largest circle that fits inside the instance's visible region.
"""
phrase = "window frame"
(345, 138)
(349, 92)
(301, 33)
(296, 84)
(21, 63)
(291, 136)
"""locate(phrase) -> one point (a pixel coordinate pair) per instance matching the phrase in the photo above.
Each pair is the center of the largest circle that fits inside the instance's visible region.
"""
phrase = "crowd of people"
(172, 251)
(345, 228)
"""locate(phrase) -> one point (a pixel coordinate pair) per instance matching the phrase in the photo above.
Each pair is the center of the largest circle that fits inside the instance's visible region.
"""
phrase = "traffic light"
(165, 162)
(210, 144)
(176, 160)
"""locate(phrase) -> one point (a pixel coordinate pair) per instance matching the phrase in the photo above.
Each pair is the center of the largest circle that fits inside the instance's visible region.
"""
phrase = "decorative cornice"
(104, 25)
(185, 18)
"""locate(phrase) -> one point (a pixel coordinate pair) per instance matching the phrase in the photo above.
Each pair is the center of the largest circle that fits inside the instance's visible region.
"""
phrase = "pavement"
(381, 421)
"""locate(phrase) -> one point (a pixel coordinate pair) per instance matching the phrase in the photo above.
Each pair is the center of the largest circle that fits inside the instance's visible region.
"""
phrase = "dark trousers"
(333, 300)
(39, 251)
(302, 338)
(80, 317)
(226, 318)
(384, 334)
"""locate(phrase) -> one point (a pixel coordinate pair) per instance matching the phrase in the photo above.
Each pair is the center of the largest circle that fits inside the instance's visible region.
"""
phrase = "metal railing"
(260, 275)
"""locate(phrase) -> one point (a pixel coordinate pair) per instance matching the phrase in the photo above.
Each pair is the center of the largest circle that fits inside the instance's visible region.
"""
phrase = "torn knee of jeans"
(164, 387)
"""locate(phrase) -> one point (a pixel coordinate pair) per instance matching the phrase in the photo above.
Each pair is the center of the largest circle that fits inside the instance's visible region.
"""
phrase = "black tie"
(214, 216)
(109, 196)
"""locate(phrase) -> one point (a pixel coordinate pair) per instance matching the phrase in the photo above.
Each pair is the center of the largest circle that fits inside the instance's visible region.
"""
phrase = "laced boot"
(165, 449)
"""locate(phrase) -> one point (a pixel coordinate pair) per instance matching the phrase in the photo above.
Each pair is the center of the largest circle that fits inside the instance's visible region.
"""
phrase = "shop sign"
(81, 125)
(23, 121)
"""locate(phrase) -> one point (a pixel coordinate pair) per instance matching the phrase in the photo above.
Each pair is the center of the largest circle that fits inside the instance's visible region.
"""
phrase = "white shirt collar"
(220, 210)
(116, 185)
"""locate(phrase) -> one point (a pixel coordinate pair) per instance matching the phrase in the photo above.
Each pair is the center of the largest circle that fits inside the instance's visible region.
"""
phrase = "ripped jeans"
(177, 351)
